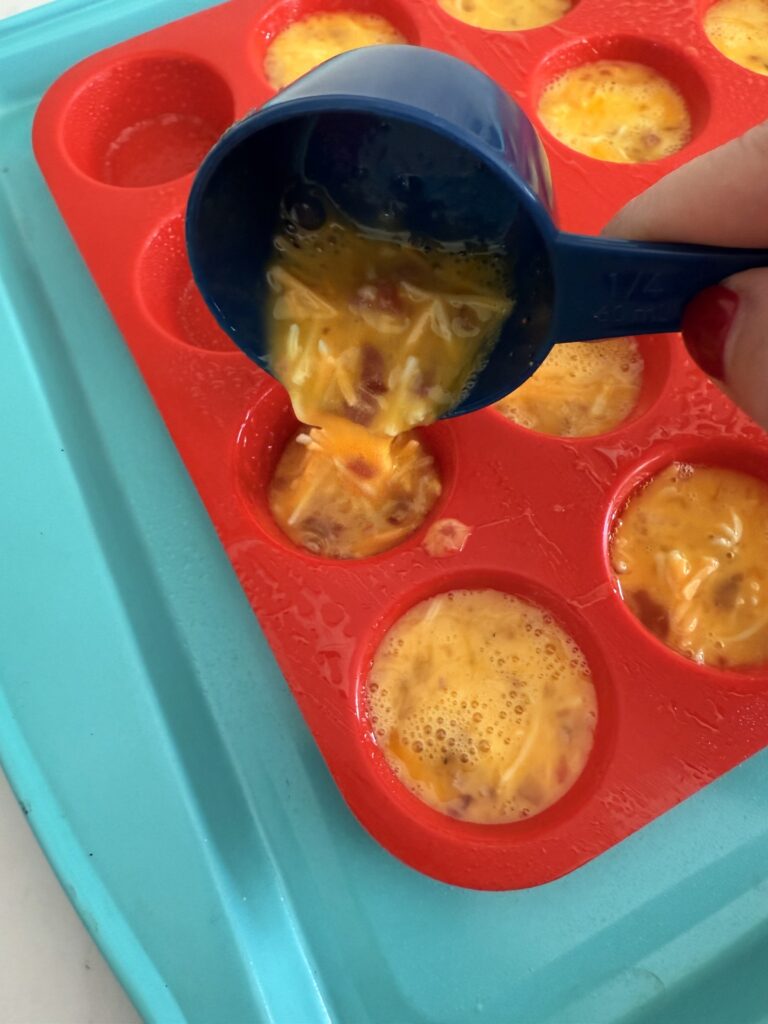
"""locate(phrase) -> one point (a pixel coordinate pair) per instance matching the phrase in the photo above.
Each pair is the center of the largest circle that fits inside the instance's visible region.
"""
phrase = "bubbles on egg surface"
(314, 39)
(581, 389)
(614, 110)
(739, 29)
(488, 732)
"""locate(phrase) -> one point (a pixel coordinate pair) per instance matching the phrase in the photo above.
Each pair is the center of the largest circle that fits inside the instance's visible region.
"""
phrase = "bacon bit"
(446, 537)
(389, 297)
(653, 615)
(360, 467)
(323, 529)
(381, 295)
(363, 411)
(728, 591)
(372, 383)
(372, 371)
(398, 511)
(467, 320)
(424, 383)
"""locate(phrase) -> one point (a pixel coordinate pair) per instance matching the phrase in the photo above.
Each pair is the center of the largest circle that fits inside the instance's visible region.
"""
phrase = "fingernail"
(707, 322)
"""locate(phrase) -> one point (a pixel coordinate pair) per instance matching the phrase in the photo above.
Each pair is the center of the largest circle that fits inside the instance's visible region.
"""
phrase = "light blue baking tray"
(164, 767)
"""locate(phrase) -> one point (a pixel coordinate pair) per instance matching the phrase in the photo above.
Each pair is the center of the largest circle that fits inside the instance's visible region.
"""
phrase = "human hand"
(720, 198)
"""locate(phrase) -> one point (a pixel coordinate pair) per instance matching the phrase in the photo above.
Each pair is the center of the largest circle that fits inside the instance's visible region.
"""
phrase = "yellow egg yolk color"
(616, 110)
(483, 706)
(690, 552)
(318, 37)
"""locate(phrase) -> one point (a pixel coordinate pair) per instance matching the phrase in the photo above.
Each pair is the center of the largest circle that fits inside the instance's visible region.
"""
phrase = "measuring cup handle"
(605, 288)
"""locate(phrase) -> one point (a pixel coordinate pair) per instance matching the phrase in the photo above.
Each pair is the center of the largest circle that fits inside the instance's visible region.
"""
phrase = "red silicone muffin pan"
(118, 138)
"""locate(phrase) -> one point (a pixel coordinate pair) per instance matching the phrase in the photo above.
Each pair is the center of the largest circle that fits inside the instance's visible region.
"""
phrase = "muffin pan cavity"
(508, 849)
(557, 402)
(684, 542)
(664, 62)
(738, 29)
(270, 426)
(169, 293)
(326, 27)
(146, 121)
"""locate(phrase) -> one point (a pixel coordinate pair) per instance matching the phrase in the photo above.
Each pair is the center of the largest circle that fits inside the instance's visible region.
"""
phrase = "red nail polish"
(706, 325)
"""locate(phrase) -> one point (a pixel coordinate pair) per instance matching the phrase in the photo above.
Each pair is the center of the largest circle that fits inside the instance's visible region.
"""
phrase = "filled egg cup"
(118, 138)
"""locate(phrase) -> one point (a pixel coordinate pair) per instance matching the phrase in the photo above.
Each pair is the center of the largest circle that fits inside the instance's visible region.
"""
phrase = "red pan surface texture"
(118, 138)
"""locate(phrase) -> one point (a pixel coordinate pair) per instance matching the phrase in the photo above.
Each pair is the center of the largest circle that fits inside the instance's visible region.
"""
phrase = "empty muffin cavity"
(170, 294)
(147, 121)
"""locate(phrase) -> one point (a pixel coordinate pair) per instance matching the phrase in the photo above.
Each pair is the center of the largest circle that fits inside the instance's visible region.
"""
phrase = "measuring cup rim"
(283, 110)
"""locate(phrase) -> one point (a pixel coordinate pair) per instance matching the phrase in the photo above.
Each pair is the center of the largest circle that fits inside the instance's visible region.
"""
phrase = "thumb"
(726, 331)
(720, 198)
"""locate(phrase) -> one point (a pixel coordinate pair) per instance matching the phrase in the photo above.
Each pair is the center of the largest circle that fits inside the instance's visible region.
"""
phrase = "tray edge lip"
(144, 986)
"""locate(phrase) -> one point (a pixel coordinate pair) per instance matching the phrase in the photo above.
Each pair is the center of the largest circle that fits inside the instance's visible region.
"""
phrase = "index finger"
(719, 198)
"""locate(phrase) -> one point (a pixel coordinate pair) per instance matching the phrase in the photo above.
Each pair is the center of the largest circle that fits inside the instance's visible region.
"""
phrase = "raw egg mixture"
(739, 29)
(372, 337)
(483, 706)
(318, 37)
(616, 110)
(506, 15)
(581, 389)
(690, 552)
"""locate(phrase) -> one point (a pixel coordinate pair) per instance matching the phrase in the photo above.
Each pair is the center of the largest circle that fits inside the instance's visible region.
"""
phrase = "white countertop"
(50, 970)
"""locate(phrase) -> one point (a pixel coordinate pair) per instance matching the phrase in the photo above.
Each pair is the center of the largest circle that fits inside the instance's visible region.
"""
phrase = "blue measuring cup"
(413, 140)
